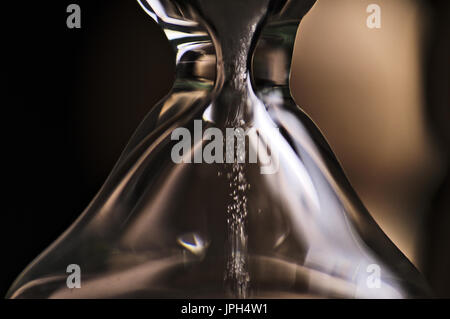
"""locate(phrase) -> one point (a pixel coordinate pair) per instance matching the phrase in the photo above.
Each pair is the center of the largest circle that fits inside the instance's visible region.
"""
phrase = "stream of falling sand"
(237, 277)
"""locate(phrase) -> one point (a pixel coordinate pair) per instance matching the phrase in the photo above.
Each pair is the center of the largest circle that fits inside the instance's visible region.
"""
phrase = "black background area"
(74, 98)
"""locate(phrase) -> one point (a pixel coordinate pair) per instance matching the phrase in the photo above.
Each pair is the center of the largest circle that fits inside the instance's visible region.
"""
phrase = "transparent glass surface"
(286, 226)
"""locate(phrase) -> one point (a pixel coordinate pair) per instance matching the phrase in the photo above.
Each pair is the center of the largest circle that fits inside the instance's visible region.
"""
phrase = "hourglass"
(227, 189)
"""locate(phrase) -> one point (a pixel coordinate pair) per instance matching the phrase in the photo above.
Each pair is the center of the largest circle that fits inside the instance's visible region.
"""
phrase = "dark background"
(75, 96)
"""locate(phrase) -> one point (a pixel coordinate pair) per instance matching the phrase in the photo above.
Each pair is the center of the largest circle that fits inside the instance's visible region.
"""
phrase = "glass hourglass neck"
(222, 43)
(234, 28)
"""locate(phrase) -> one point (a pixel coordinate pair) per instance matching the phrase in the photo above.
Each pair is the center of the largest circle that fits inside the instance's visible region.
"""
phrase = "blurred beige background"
(363, 88)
